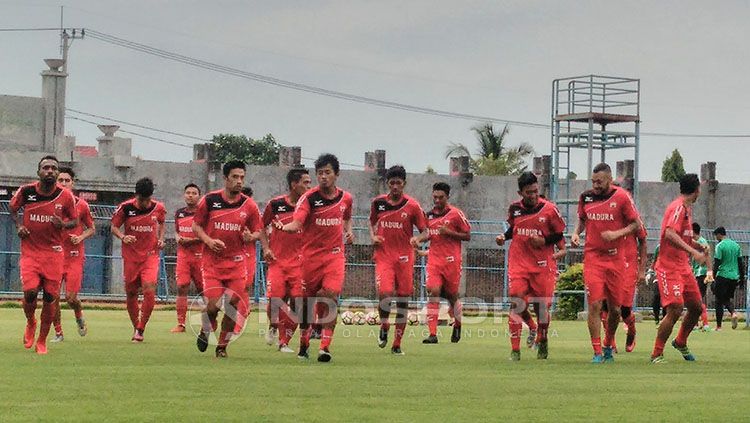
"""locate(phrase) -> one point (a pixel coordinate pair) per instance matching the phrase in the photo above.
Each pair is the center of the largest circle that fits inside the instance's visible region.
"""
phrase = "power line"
(163, 131)
(162, 140)
(30, 29)
(110, 39)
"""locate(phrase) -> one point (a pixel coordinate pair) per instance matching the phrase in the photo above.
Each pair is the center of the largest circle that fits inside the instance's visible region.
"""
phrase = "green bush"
(568, 305)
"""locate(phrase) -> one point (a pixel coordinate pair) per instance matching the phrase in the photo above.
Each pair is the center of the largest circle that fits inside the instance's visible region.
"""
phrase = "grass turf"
(104, 376)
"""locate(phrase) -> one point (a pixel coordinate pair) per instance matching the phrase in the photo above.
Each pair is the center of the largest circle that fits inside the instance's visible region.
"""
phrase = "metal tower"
(591, 112)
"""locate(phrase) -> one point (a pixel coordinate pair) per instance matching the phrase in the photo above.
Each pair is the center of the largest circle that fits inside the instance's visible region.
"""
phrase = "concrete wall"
(21, 123)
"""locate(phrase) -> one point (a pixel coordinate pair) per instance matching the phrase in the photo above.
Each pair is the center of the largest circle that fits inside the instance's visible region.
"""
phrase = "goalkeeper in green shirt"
(730, 272)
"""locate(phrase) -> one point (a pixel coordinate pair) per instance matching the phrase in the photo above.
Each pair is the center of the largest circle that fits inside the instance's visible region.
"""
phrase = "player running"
(143, 238)
(189, 253)
(606, 213)
(447, 228)
(324, 214)
(678, 287)
(283, 253)
(220, 220)
(249, 237)
(48, 210)
(393, 217)
(535, 226)
(74, 256)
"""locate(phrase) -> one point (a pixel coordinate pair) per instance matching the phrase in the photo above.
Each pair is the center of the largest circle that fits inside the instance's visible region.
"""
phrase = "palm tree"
(494, 157)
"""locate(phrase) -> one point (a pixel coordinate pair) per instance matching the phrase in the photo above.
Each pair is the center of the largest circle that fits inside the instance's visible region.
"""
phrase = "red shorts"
(42, 273)
(140, 272)
(284, 281)
(215, 286)
(677, 286)
(325, 274)
(189, 269)
(629, 283)
(73, 274)
(395, 276)
(603, 277)
(537, 285)
(445, 277)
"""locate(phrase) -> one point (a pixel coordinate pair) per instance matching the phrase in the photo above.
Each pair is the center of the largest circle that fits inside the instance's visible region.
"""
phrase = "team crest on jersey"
(153, 218)
(612, 205)
(243, 215)
(342, 208)
(404, 215)
(542, 219)
(58, 206)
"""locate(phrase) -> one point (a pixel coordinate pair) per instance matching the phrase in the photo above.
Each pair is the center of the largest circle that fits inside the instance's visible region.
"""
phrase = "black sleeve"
(552, 239)
(509, 233)
(741, 267)
(717, 263)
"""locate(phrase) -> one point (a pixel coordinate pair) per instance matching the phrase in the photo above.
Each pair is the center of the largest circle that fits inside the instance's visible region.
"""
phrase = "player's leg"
(149, 275)
(594, 277)
(704, 312)
(51, 288)
(543, 290)
(232, 299)
(729, 295)
(628, 294)
(277, 309)
(73, 282)
(670, 284)
(692, 299)
(718, 288)
(333, 283)
(243, 305)
(613, 278)
(518, 288)
(434, 284)
(656, 303)
(385, 281)
(31, 284)
(213, 290)
(182, 278)
(57, 319)
(404, 279)
(132, 281)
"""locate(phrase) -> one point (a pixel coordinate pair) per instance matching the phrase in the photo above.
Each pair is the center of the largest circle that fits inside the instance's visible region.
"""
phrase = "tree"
(430, 170)
(263, 151)
(672, 169)
(494, 157)
(572, 175)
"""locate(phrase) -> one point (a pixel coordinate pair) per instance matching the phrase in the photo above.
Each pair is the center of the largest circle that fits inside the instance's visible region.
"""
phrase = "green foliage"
(494, 157)
(572, 175)
(430, 170)
(568, 305)
(263, 151)
(673, 169)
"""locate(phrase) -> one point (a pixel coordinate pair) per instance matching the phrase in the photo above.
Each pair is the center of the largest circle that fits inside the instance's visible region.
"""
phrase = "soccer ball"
(412, 318)
(347, 317)
(372, 318)
(359, 318)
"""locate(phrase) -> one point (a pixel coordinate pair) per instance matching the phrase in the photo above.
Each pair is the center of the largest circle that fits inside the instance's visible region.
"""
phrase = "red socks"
(181, 309)
(704, 315)
(596, 343)
(243, 310)
(515, 333)
(149, 300)
(682, 335)
(326, 338)
(400, 328)
(658, 348)
(433, 309)
(48, 313)
(630, 322)
(133, 309)
(29, 309)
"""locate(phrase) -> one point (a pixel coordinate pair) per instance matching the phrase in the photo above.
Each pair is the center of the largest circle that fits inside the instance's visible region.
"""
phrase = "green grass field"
(104, 376)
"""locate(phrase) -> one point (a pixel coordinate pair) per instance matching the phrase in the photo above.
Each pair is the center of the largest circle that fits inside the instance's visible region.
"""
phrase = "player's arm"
(508, 234)
(672, 236)
(455, 234)
(215, 245)
(89, 228)
(575, 237)
(15, 205)
(349, 231)
(617, 234)
(561, 250)
(126, 239)
(265, 245)
(642, 259)
(161, 233)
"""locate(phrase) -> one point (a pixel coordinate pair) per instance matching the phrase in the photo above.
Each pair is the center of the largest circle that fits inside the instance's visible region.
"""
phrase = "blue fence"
(484, 265)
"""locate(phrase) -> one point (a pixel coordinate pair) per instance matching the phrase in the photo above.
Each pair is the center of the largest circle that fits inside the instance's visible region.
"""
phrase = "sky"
(485, 58)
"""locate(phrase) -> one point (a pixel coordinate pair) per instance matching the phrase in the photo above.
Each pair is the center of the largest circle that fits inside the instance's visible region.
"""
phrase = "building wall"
(21, 123)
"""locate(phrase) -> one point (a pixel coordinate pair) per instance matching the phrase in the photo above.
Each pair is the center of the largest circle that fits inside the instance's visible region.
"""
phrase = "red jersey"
(541, 220)
(226, 221)
(38, 209)
(445, 249)
(183, 225)
(84, 219)
(680, 218)
(143, 224)
(286, 247)
(630, 244)
(608, 212)
(395, 223)
(323, 221)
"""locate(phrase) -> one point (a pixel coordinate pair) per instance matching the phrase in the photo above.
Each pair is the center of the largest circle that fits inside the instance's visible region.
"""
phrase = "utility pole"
(67, 35)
